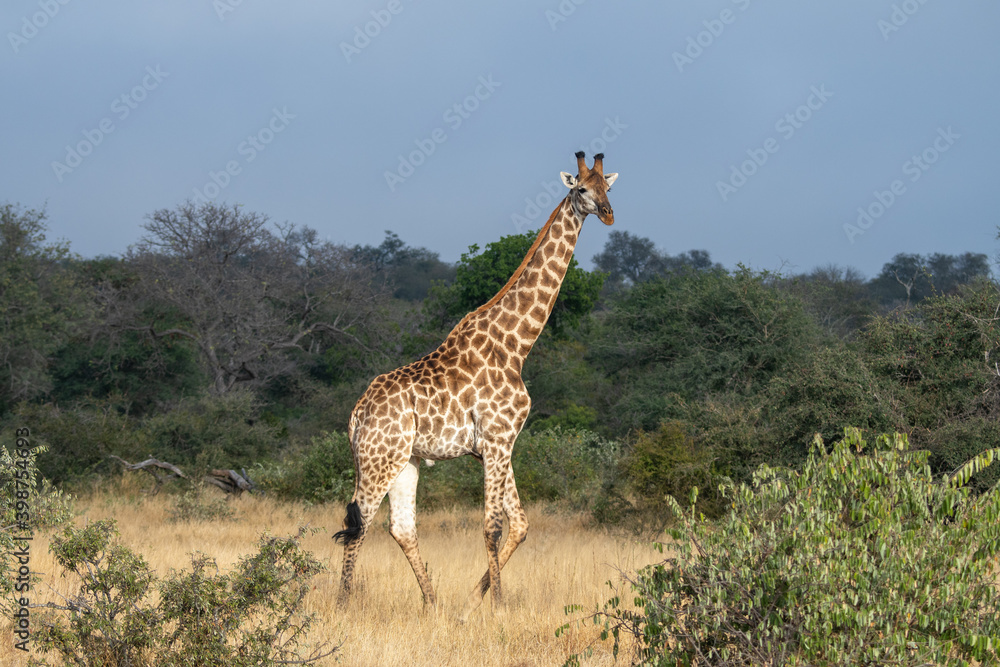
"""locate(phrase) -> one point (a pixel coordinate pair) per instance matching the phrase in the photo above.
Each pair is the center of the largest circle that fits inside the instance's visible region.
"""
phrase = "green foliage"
(27, 502)
(938, 360)
(565, 388)
(907, 279)
(453, 482)
(77, 440)
(479, 276)
(572, 466)
(42, 304)
(212, 431)
(863, 557)
(109, 622)
(629, 260)
(133, 370)
(556, 465)
(834, 386)
(411, 271)
(323, 471)
(669, 462)
(838, 300)
(252, 616)
(199, 504)
(694, 334)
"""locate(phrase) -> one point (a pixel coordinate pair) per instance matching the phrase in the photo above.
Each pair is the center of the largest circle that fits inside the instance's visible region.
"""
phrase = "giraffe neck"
(519, 311)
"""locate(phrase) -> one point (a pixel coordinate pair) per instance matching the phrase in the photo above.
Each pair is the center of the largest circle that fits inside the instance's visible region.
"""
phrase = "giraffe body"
(466, 398)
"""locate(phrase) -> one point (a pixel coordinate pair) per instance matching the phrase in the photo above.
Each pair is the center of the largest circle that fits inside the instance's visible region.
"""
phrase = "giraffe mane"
(520, 269)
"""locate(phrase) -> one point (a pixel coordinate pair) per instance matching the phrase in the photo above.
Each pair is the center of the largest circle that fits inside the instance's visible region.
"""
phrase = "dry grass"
(563, 561)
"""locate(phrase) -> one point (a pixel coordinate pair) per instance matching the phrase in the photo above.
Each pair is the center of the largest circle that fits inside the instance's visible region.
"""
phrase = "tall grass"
(563, 561)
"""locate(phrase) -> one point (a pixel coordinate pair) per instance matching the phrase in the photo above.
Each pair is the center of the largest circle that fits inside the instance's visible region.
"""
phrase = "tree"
(479, 276)
(939, 363)
(243, 292)
(697, 334)
(409, 271)
(910, 278)
(837, 298)
(628, 260)
(41, 303)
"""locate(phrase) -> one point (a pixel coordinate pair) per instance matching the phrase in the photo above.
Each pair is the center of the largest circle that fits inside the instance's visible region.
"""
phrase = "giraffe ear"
(611, 178)
(568, 179)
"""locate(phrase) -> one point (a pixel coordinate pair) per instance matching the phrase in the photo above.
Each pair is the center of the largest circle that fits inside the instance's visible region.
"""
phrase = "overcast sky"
(779, 134)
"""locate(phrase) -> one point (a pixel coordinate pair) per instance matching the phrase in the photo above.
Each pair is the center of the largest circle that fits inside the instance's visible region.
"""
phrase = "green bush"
(321, 472)
(863, 557)
(198, 504)
(212, 431)
(78, 440)
(27, 502)
(252, 616)
(953, 444)
(669, 462)
(695, 334)
(566, 465)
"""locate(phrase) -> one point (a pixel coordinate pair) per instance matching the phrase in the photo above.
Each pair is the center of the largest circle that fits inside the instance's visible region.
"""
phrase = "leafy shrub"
(198, 504)
(863, 557)
(669, 462)
(252, 616)
(454, 482)
(77, 440)
(959, 441)
(569, 465)
(321, 472)
(24, 492)
(212, 431)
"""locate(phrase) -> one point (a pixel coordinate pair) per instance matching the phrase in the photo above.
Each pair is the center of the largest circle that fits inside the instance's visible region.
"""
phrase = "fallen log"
(151, 466)
(231, 481)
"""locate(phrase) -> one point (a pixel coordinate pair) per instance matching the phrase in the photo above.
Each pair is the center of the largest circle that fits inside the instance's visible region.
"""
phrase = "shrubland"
(222, 340)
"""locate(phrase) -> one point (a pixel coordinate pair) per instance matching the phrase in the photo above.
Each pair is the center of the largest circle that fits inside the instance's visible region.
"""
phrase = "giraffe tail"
(352, 525)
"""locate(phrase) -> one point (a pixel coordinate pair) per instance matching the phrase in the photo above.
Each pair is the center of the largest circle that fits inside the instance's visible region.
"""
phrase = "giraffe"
(466, 397)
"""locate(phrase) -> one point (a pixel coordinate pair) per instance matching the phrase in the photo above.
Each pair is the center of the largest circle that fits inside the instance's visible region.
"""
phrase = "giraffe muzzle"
(606, 215)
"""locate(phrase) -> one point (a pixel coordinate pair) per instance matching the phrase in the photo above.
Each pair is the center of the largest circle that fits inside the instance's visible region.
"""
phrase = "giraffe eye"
(582, 190)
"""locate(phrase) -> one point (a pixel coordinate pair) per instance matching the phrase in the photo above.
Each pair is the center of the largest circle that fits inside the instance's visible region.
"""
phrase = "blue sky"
(777, 135)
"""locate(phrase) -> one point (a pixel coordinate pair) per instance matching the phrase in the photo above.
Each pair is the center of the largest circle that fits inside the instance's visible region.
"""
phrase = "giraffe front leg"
(516, 535)
(495, 474)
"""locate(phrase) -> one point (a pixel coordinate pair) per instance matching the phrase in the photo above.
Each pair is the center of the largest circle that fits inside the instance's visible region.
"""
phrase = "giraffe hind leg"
(361, 511)
(403, 524)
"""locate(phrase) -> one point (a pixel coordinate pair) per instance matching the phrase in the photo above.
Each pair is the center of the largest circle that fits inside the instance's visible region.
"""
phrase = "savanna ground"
(564, 561)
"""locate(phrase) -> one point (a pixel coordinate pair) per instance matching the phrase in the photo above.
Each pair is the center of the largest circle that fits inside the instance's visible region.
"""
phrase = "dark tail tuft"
(352, 525)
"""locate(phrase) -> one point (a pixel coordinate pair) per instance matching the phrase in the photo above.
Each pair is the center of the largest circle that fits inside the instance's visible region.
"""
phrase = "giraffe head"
(589, 188)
